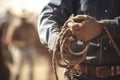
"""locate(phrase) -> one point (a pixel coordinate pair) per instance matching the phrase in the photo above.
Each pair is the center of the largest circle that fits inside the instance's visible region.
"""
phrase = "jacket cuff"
(52, 40)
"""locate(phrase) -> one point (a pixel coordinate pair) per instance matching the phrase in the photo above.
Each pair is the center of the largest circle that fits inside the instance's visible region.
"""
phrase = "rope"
(62, 46)
(69, 57)
(112, 40)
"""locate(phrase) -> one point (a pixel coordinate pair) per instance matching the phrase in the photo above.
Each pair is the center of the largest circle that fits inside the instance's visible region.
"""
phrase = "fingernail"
(70, 24)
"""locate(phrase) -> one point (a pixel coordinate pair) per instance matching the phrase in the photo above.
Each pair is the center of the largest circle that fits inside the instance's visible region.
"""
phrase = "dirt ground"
(41, 71)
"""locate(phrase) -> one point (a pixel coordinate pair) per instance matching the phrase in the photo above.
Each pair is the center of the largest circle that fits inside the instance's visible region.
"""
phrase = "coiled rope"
(62, 47)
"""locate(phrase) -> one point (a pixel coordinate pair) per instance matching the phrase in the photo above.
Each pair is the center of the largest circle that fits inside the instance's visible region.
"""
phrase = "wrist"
(101, 23)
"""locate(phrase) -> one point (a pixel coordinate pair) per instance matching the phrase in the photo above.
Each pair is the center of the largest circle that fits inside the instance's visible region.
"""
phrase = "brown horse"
(4, 70)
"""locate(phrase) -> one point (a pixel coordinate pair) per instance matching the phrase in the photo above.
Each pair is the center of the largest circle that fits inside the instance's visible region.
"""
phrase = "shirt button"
(106, 11)
(104, 48)
(54, 8)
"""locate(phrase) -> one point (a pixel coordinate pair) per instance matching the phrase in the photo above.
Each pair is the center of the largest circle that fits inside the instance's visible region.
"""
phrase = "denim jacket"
(56, 12)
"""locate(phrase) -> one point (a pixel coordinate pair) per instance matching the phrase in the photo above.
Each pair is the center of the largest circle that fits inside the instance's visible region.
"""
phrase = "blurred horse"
(4, 70)
(22, 47)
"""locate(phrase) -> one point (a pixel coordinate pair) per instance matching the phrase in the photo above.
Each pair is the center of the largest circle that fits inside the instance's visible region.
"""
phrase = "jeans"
(86, 77)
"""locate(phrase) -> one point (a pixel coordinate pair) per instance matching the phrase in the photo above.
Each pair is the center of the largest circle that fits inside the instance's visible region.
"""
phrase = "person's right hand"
(85, 27)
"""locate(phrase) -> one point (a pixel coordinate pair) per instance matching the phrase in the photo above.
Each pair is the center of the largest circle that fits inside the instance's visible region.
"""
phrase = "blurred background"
(22, 56)
(16, 5)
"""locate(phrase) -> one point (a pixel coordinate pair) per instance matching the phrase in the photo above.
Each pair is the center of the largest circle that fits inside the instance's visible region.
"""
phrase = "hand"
(85, 30)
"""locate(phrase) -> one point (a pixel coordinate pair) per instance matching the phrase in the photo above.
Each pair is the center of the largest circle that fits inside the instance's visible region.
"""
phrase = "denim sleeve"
(53, 15)
(113, 26)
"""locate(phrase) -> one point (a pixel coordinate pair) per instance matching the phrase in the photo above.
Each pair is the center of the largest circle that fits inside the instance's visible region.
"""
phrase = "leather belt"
(101, 72)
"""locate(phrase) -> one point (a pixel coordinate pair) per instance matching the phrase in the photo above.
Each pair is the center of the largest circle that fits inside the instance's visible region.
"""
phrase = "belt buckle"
(112, 69)
(118, 69)
(97, 72)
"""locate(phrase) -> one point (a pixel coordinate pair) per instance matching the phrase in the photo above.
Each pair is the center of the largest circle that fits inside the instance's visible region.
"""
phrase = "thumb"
(80, 18)
(74, 26)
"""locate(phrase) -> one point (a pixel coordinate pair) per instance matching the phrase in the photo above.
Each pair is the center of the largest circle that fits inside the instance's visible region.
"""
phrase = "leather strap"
(101, 72)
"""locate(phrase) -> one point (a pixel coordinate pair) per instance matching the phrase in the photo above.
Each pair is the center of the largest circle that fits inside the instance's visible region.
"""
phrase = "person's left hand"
(87, 29)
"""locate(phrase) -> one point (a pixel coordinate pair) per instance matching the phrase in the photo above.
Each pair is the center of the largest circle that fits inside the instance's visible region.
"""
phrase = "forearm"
(52, 17)
(48, 33)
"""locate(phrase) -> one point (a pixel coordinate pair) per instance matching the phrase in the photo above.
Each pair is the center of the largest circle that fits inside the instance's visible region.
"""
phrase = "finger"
(70, 24)
(79, 18)
(79, 38)
(77, 30)
(75, 27)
